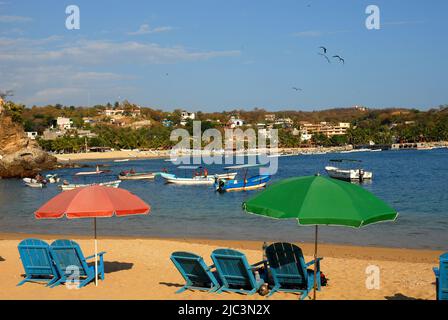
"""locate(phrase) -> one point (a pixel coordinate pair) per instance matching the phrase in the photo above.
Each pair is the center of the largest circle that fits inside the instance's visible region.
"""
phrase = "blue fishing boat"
(245, 184)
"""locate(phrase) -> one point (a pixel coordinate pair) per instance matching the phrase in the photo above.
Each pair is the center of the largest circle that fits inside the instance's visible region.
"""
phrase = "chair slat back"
(192, 267)
(36, 257)
(233, 268)
(287, 263)
(68, 253)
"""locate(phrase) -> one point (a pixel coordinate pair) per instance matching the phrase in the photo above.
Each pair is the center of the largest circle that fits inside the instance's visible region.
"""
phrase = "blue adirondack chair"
(67, 254)
(197, 274)
(289, 270)
(235, 273)
(442, 278)
(38, 262)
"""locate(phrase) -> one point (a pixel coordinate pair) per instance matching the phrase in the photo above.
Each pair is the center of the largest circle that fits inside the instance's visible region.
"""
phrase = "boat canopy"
(245, 166)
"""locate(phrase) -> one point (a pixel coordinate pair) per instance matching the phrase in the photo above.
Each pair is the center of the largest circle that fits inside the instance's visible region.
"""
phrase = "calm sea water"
(413, 182)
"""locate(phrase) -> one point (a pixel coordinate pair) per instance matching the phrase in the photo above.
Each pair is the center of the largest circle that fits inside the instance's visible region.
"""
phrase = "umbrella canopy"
(317, 200)
(92, 202)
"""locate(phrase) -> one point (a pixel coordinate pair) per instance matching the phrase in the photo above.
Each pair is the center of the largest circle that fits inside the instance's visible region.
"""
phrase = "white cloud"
(55, 69)
(100, 52)
(145, 29)
(14, 19)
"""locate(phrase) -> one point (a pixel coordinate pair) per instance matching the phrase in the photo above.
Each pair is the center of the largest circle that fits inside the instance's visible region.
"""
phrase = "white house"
(185, 116)
(31, 135)
(64, 123)
(235, 122)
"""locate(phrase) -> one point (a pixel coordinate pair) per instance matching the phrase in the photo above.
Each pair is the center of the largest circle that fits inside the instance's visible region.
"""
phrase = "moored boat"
(199, 180)
(33, 183)
(71, 186)
(129, 175)
(351, 174)
(52, 178)
(200, 176)
(244, 184)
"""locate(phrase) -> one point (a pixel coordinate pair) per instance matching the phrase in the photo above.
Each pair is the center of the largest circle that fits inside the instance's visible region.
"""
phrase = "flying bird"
(323, 49)
(325, 56)
(339, 58)
(297, 89)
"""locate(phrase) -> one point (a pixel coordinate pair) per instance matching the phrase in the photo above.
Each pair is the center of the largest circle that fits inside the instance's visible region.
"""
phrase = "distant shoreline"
(164, 154)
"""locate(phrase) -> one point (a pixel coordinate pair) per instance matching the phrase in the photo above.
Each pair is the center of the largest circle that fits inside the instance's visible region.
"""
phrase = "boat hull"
(143, 176)
(32, 183)
(252, 183)
(111, 184)
(200, 180)
(348, 174)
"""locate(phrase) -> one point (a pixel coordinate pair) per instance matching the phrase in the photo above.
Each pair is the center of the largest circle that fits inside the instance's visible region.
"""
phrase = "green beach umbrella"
(316, 200)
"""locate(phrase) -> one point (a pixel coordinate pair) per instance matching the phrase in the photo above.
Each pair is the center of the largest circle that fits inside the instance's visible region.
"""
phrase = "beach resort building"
(324, 128)
(134, 112)
(284, 122)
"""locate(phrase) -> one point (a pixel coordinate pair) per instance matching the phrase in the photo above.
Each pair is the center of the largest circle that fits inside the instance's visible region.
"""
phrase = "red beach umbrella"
(93, 202)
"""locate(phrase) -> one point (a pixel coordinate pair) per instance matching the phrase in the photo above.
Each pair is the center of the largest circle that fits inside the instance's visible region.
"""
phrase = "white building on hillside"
(185, 116)
(64, 123)
(235, 122)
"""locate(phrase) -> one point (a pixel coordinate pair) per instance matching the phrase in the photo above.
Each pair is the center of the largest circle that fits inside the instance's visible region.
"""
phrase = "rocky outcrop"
(20, 156)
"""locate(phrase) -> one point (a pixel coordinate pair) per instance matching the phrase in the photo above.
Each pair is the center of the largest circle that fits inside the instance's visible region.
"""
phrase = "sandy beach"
(141, 269)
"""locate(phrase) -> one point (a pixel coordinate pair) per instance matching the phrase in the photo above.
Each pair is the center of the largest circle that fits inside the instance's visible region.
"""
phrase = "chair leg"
(273, 290)
(182, 289)
(23, 281)
(304, 294)
(54, 282)
(220, 290)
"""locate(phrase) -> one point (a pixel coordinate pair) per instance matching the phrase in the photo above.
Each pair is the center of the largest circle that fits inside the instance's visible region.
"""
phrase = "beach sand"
(112, 155)
(141, 269)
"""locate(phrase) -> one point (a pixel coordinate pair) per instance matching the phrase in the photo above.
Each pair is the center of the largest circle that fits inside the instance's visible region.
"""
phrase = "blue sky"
(221, 55)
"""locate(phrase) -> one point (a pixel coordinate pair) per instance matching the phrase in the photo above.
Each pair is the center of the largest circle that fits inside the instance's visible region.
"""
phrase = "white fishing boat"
(128, 175)
(198, 178)
(351, 174)
(71, 186)
(33, 183)
(122, 160)
(52, 178)
(87, 173)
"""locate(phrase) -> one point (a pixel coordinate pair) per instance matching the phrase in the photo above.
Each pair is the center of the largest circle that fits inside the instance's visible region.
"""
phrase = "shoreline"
(333, 250)
(164, 154)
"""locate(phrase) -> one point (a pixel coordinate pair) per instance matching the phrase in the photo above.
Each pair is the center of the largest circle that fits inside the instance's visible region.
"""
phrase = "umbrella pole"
(96, 255)
(315, 263)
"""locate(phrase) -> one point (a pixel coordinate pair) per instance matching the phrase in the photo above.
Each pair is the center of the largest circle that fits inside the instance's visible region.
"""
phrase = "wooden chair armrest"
(98, 254)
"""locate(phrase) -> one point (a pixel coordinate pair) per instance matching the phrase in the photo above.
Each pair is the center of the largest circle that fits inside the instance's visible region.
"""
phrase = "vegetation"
(383, 126)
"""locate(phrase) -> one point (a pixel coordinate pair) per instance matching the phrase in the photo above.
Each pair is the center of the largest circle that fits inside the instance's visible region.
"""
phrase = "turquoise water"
(413, 182)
